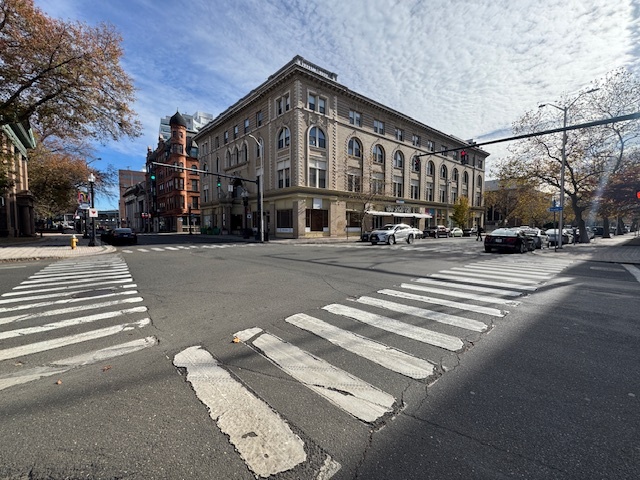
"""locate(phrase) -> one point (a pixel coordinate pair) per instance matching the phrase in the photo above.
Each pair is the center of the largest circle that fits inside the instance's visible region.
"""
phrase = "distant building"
(136, 208)
(174, 191)
(193, 122)
(16, 201)
(126, 180)
(324, 155)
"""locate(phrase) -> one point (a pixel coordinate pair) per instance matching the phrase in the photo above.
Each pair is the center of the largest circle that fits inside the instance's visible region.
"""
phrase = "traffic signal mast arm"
(622, 118)
(206, 172)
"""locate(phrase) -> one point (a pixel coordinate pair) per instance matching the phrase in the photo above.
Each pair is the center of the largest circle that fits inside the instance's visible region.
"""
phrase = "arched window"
(245, 153)
(284, 138)
(227, 159)
(465, 178)
(431, 168)
(479, 183)
(455, 176)
(316, 138)
(355, 148)
(234, 157)
(378, 154)
(398, 159)
(443, 172)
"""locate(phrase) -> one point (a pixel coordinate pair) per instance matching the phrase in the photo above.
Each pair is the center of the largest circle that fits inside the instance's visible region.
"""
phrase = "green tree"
(461, 212)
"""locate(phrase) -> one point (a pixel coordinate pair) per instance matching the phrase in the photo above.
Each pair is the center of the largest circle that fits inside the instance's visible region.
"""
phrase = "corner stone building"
(324, 155)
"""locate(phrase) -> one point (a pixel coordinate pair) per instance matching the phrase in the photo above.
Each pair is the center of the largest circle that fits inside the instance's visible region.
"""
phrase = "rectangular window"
(246, 125)
(283, 104)
(226, 137)
(415, 140)
(194, 202)
(399, 135)
(216, 142)
(321, 105)
(415, 190)
(259, 118)
(454, 154)
(194, 185)
(354, 219)
(397, 186)
(284, 174)
(316, 103)
(355, 118)
(378, 127)
(443, 194)
(312, 102)
(429, 192)
(235, 131)
(377, 184)
(284, 218)
(354, 182)
(443, 149)
(316, 220)
(431, 146)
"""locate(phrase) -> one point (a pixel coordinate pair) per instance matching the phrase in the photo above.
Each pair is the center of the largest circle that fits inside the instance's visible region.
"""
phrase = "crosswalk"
(94, 296)
(441, 312)
(182, 248)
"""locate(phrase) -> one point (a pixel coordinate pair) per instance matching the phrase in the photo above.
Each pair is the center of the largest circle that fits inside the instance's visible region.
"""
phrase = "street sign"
(93, 213)
(555, 209)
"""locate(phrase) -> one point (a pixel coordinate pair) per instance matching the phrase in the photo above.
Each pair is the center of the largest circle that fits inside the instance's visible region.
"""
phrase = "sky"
(469, 68)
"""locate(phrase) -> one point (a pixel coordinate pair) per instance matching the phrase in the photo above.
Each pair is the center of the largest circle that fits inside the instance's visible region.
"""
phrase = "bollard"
(74, 242)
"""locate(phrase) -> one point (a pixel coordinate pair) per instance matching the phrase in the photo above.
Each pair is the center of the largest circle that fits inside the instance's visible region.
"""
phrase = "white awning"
(376, 213)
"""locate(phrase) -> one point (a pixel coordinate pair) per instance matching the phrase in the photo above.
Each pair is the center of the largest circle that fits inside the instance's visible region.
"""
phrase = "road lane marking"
(64, 365)
(479, 275)
(482, 282)
(75, 274)
(501, 273)
(78, 279)
(70, 340)
(65, 287)
(389, 357)
(465, 295)
(346, 391)
(494, 312)
(440, 317)
(65, 301)
(633, 270)
(461, 286)
(22, 296)
(262, 438)
(420, 334)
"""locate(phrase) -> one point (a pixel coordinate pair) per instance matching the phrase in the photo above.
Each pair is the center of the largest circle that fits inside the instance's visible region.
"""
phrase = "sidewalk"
(617, 249)
(50, 245)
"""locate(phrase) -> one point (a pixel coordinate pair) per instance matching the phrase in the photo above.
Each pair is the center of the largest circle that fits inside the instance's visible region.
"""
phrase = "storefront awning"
(397, 214)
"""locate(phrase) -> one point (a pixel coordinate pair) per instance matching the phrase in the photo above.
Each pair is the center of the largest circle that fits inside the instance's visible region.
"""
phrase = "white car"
(391, 233)
(456, 232)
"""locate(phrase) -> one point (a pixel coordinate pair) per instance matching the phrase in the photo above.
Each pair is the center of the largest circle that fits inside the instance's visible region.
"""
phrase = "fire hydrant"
(74, 242)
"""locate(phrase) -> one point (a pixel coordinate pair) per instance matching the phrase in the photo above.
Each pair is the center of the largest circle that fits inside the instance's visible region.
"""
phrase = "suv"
(391, 233)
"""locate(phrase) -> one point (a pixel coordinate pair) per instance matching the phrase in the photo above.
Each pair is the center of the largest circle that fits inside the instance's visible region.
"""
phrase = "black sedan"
(509, 240)
(120, 236)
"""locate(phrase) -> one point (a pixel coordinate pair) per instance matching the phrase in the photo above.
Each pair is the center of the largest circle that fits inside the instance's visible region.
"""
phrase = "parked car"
(598, 230)
(508, 239)
(590, 234)
(120, 236)
(552, 233)
(467, 232)
(540, 238)
(456, 232)
(417, 233)
(392, 233)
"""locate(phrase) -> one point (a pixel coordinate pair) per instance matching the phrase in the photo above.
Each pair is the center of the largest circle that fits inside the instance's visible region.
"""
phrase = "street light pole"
(92, 241)
(564, 110)
(260, 185)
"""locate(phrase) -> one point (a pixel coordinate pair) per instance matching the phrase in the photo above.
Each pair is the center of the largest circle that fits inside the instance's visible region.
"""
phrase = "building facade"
(16, 201)
(324, 155)
(126, 180)
(136, 208)
(173, 188)
(194, 123)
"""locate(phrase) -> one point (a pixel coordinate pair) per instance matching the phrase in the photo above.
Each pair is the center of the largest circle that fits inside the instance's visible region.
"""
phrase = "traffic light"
(153, 177)
(219, 182)
(463, 157)
(638, 194)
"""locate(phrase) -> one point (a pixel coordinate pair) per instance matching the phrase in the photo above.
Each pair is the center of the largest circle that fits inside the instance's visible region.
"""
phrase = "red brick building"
(174, 190)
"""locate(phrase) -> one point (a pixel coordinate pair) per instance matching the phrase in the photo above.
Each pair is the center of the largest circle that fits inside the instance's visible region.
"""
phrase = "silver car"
(392, 233)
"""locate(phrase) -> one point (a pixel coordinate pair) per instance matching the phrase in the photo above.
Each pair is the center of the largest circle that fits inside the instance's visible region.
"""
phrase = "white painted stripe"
(74, 274)
(466, 295)
(64, 301)
(46, 345)
(142, 250)
(440, 317)
(498, 276)
(388, 357)
(420, 334)
(263, 439)
(157, 249)
(494, 312)
(171, 248)
(461, 286)
(65, 311)
(493, 271)
(633, 270)
(67, 268)
(76, 278)
(351, 394)
(20, 332)
(22, 296)
(530, 268)
(469, 279)
(61, 366)
(36, 288)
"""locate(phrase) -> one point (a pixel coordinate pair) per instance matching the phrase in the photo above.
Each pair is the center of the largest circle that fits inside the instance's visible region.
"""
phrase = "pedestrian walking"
(479, 236)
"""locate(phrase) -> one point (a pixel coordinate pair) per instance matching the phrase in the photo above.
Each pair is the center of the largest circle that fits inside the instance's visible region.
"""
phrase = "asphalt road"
(547, 390)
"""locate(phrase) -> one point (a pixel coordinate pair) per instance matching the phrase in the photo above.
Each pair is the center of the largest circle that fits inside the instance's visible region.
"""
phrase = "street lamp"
(92, 241)
(564, 110)
(260, 188)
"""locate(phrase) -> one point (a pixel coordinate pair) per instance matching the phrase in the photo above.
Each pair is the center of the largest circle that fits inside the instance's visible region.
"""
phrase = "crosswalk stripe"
(471, 279)
(157, 249)
(420, 334)
(43, 346)
(450, 283)
(142, 250)
(64, 301)
(171, 248)
(479, 275)
(453, 293)
(502, 273)
(64, 365)
(80, 278)
(263, 439)
(494, 312)
(533, 268)
(75, 274)
(70, 290)
(388, 357)
(440, 317)
(351, 394)
(30, 284)
(35, 288)
(20, 332)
